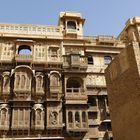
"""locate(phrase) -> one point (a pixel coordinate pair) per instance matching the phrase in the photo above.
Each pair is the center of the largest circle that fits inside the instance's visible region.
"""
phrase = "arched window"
(107, 59)
(54, 80)
(3, 116)
(72, 83)
(71, 25)
(77, 117)
(83, 116)
(90, 60)
(39, 81)
(38, 114)
(70, 118)
(24, 49)
(6, 81)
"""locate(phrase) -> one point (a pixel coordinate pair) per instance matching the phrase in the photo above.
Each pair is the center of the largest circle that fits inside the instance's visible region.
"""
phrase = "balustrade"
(23, 57)
(29, 29)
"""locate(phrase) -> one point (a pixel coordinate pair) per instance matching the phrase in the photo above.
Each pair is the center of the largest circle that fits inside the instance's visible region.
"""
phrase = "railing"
(75, 94)
(23, 57)
(75, 90)
(70, 125)
(105, 38)
(29, 29)
(83, 126)
(71, 31)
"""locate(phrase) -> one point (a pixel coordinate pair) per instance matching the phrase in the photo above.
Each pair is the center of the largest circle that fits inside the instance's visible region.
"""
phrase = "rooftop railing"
(29, 29)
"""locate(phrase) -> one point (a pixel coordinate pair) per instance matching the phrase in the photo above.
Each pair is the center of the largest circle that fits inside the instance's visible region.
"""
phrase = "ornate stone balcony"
(77, 62)
(75, 96)
(23, 58)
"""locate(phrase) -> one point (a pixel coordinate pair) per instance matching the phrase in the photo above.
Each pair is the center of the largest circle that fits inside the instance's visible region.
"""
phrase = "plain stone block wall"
(123, 85)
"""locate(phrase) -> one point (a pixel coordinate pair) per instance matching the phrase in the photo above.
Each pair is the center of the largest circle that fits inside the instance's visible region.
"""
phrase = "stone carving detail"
(4, 114)
(90, 80)
(38, 114)
(6, 82)
(95, 80)
(39, 81)
(53, 117)
(54, 80)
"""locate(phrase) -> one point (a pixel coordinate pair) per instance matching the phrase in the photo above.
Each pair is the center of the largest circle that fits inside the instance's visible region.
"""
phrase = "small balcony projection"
(74, 61)
(75, 93)
(24, 54)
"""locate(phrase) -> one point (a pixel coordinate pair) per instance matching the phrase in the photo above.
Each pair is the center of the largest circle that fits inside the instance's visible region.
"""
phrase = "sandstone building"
(52, 83)
(123, 85)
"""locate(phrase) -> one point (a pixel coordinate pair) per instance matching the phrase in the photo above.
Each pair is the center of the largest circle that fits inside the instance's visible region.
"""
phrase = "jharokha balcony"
(23, 57)
(75, 95)
(77, 120)
(74, 61)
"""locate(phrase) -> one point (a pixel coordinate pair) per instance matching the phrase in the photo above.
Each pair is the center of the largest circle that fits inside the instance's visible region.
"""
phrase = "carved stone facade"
(52, 83)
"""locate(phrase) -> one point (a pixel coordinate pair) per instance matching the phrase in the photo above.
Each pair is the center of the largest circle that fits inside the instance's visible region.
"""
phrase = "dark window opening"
(92, 101)
(107, 59)
(92, 115)
(71, 25)
(108, 126)
(70, 119)
(24, 49)
(73, 84)
(90, 60)
(77, 117)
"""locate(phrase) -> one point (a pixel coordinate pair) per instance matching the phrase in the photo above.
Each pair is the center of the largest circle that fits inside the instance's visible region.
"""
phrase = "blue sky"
(103, 17)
